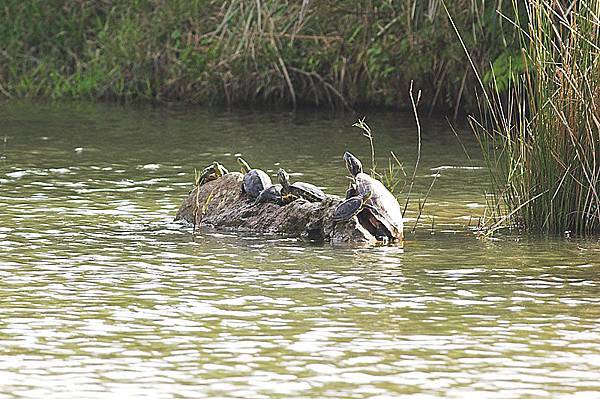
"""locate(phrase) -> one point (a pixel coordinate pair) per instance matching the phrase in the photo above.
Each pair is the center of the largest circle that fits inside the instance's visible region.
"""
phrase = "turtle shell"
(255, 181)
(269, 194)
(348, 208)
(308, 191)
(382, 204)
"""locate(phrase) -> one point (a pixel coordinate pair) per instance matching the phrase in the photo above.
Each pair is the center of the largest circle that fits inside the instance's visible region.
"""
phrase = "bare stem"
(414, 175)
(422, 205)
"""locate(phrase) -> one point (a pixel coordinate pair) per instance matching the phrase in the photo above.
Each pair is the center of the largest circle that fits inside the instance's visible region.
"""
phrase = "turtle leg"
(282, 200)
(288, 198)
(381, 232)
(211, 177)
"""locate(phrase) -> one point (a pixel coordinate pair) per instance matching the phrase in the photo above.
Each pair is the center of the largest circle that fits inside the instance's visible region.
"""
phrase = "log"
(221, 204)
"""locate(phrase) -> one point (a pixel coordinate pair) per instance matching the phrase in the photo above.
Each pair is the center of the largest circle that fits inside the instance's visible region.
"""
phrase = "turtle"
(211, 172)
(269, 194)
(255, 180)
(307, 191)
(383, 213)
(273, 194)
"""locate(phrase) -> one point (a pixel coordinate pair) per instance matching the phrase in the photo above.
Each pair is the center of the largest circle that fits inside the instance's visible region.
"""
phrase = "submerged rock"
(221, 203)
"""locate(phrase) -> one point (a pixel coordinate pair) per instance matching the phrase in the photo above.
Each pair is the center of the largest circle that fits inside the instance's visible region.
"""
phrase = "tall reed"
(542, 140)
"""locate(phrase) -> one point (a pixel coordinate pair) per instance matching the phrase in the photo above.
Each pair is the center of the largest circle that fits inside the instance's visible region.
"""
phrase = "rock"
(220, 203)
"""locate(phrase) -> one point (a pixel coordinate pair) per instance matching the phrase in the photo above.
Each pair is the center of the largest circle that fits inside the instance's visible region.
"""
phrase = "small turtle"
(269, 194)
(307, 191)
(255, 180)
(211, 172)
(350, 207)
(203, 176)
(273, 194)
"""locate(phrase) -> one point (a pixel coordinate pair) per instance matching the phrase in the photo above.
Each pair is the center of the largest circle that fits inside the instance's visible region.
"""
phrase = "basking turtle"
(269, 194)
(307, 191)
(211, 172)
(255, 180)
(273, 194)
(384, 214)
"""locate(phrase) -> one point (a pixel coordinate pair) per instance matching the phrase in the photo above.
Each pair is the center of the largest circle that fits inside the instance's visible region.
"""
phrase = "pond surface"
(102, 296)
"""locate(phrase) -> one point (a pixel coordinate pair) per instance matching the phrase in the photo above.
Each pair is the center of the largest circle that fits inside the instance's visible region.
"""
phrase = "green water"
(102, 296)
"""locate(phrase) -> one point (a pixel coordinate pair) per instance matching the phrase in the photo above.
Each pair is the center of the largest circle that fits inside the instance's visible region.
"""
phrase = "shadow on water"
(102, 295)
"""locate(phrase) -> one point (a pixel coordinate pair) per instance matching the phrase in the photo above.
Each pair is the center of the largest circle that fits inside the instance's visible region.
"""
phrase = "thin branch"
(369, 135)
(422, 206)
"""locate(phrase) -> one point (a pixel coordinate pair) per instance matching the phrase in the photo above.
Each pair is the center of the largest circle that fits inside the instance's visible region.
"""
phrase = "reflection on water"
(103, 296)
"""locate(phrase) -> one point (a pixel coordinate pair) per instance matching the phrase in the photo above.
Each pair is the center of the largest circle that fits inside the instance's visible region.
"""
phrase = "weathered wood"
(220, 203)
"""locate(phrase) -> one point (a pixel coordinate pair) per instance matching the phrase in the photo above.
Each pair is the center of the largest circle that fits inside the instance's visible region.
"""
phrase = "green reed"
(542, 140)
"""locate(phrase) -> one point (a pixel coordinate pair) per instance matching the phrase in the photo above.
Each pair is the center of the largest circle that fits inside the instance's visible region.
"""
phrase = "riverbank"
(331, 54)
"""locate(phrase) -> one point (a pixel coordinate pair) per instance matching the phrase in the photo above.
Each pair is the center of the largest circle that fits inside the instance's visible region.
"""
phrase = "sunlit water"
(101, 295)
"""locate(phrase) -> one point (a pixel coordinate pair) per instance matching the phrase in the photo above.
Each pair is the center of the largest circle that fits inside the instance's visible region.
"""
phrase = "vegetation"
(542, 140)
(334, 53)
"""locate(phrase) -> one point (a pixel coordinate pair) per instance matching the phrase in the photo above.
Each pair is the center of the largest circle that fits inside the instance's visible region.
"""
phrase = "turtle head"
(284, 178)
(219, 169)
(353, 164)
(245, 168)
